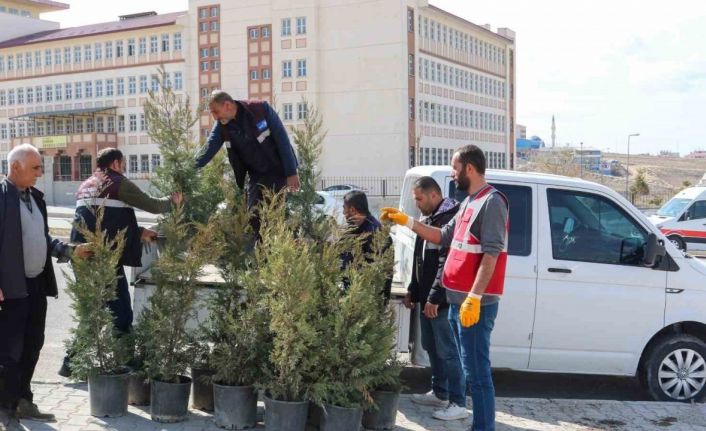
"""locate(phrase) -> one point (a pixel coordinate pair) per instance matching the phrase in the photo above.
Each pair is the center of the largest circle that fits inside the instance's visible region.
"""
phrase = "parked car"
(331, 207)
(683, 219)
(339, 190)
(592, 287)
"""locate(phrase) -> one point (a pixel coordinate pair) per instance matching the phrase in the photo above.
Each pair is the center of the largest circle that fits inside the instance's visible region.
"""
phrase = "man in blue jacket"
(256, 142)
(447, 378)
(26, 279)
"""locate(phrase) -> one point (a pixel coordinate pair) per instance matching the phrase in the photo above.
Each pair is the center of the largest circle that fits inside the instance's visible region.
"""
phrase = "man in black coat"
(447, 378)
(26, 279)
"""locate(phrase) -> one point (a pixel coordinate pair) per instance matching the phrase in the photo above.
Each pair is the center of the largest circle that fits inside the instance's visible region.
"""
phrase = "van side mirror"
(654, 251)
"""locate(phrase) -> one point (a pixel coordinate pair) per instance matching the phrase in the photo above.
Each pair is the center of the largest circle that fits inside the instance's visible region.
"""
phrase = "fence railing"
(649, 201)
(372, 186)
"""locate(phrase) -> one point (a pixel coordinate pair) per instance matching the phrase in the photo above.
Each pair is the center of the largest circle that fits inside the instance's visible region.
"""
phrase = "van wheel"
(678, 242)
(675, 369)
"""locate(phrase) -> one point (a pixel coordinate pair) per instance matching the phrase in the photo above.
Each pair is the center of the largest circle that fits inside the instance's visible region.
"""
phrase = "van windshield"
(673, 207)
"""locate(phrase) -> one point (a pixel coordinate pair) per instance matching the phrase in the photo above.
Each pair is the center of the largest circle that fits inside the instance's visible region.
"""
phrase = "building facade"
(397, 84)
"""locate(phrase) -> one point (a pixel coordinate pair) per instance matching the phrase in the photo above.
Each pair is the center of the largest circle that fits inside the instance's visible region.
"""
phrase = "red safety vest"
(465, 253)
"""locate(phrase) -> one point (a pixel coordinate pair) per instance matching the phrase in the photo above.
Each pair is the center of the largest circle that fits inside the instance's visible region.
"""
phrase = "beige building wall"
(89, 71)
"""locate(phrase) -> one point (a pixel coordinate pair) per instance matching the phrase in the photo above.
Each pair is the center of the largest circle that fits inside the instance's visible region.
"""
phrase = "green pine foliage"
(170, 124)
(238, 324)
(95, 344)
(162, 327)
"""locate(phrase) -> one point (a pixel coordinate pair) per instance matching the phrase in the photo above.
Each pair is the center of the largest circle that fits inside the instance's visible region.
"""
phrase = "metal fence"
(650, 201)
(372, 186)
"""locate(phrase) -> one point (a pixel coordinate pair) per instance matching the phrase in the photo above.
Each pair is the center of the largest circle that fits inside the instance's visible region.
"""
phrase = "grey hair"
(20, 153)
(220, 97)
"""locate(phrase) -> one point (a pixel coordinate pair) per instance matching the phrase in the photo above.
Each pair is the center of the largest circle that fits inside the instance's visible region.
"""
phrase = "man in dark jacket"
(256, 142)
(447, 378)
(26, 279)
(108, 187)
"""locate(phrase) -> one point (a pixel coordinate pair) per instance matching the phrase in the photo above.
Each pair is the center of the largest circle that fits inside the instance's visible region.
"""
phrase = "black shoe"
(9, 421)
(65, 370)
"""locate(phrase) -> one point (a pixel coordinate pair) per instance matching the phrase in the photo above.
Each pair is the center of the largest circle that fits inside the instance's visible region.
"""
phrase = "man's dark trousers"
(22, 323)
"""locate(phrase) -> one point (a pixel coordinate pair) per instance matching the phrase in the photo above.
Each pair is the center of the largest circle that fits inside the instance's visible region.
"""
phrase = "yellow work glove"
(396, 216)
(470, 310)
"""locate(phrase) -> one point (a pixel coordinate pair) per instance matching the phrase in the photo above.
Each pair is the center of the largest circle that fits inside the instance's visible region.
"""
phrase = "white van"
(683, 219)
(592, 286)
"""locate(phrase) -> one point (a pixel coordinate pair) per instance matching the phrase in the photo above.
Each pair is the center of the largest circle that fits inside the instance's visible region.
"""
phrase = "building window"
(133, 122)
(63, 173)
(131, 47)
(3, 135)
(214, 11)
(87, 53)
(88, 86)
(253, 75)
(215, 65)
(121, 86)
(78, 87)
(132, 85)
(133, 164)
(204, 52)
(38, 94)
(265, 32)
(20, 96)
(215, 51)
(109, 50)
(410, 64)
(155, 84)
(302, 111)
(214, 26)
(99, 88)
(100, 124)
(145, 163)
(77, 54)
(287, 111)
(410, 20)
(177, 41)
(203, 12)
(301, 25)
(11, 97)
(142, 47)
(143, 84)
(67, 92)
(119, 50)
(204, 66)
(265, 73)
(111, 124)
(28, 60)
(89, 125)
(165, 43)
(2, 63)
(49, 93)
(254, 33)
(156, 162)
(286, 27)
(98, 50)
(121, 123)
(30, 95)
(108, 88)
(411, 108)
(10, 63)
(301, 67)
(143, 124)
(79, 125)
(3, 98)
(85, 170)
(203, 27)
(37, 59)
(286, 69)
(178, 81)
(154, 45)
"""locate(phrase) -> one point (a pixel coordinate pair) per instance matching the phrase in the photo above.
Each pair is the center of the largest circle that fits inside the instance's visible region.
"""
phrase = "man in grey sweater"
(474, 272)
(26, 279)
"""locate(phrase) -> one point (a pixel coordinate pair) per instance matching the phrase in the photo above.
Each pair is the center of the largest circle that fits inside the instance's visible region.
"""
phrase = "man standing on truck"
(474, 272)
(448, 384)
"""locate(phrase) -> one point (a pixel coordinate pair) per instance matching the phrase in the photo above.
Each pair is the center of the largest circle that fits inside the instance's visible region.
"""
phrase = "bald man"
(26, 279)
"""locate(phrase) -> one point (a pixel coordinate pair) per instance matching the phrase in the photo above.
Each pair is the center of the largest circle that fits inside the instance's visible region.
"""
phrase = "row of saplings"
(288, 323)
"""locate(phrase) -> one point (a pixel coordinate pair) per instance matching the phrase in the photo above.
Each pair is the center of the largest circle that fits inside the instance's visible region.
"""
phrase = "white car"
(592, 286)
(340, 190)
(683, 219)
(331, 207)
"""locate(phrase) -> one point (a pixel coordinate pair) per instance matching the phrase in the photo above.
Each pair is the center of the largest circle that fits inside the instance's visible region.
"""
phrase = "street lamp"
(627, 167)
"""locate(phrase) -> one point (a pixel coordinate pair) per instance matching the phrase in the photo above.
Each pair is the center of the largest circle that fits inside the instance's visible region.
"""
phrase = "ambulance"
(683, 218)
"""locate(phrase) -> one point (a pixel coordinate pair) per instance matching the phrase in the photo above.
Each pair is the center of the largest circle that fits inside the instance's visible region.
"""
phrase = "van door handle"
(560, 270)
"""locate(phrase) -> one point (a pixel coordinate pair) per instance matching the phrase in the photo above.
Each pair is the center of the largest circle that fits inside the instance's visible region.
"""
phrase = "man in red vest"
(474, 272)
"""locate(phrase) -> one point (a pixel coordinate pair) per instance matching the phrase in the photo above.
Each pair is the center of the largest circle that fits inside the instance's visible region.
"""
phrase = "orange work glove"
(470, 310)
(396, 216)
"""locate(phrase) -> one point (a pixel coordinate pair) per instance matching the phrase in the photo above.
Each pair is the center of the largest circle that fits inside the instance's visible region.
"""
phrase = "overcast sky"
(605, 69)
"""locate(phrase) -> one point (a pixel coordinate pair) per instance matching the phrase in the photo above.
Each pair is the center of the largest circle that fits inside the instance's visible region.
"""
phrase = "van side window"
(696, 211)
(590, 228)
(520, 220)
